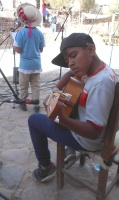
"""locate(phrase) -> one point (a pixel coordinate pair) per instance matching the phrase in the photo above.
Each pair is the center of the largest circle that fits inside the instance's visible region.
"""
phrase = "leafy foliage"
(87, 5)
(114, 6)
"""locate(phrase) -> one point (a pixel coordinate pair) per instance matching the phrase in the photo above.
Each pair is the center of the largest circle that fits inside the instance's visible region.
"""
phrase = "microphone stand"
(15, 69)
(14, 93)
(61, 30)
(3, 196)
(15, 74)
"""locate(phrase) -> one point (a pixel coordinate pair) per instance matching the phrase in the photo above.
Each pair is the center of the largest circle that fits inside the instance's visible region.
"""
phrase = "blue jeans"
(41, 128)
(53, 27)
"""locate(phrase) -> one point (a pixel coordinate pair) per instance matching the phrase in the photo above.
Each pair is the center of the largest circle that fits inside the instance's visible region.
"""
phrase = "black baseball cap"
(73, 40)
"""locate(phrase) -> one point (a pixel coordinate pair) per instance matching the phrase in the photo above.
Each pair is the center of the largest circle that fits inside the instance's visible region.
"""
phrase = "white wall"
(7, 4)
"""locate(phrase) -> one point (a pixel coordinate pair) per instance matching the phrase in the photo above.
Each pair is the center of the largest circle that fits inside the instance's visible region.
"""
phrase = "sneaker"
(43, 174)
(23, 107)
(36, 108)
(70, 154)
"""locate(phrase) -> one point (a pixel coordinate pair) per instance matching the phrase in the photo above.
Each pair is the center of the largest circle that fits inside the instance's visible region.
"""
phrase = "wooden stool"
(105, 158)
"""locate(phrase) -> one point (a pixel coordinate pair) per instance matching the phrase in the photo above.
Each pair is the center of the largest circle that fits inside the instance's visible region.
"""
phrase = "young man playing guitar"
(87, 130)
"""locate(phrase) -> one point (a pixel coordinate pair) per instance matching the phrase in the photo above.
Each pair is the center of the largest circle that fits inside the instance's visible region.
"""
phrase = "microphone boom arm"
(14, 93)
(9, 34)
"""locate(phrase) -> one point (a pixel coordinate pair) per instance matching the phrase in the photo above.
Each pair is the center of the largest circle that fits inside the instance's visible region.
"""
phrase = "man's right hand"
(45, 101)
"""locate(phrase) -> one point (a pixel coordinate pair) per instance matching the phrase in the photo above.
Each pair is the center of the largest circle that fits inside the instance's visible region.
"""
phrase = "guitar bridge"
(67, 96)
(52, 96)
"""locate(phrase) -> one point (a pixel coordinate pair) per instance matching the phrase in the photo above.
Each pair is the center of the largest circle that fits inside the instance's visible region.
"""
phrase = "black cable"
(3, 196)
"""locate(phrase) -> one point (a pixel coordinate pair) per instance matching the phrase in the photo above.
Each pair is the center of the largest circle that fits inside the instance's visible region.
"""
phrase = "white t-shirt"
(95, 103)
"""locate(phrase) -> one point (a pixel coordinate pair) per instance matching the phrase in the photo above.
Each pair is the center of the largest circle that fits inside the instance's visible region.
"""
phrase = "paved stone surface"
(17, 152)
(17, 155)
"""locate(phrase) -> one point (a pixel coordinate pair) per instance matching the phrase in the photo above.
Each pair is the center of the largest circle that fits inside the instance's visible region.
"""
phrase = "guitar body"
(65, 100)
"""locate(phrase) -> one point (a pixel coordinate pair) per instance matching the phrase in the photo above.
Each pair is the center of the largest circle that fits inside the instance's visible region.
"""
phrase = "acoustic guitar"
(65, 100)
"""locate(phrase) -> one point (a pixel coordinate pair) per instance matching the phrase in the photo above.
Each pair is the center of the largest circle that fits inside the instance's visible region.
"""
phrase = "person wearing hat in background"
(53, 22)
(86, 131)
(29, 42)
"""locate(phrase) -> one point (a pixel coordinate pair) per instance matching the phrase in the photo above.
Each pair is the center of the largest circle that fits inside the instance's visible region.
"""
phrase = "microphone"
(19, 23)
(71, 7)
(20, 101)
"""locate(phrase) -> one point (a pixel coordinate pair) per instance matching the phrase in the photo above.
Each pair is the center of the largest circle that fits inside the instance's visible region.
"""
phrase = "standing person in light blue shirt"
(29, 42)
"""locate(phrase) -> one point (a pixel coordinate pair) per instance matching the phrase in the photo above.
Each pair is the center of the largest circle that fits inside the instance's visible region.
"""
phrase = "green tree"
(57, 4)
(114, 6)
(87, 5)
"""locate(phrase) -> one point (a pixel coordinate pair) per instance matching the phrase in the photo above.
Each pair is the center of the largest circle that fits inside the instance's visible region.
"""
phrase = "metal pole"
(41, 10)
(14, 3)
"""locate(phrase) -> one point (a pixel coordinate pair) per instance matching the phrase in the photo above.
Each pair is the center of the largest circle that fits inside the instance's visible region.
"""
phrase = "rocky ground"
(17, 153)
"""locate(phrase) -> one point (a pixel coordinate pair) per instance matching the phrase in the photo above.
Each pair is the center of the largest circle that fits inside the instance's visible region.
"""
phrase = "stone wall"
(7, 22)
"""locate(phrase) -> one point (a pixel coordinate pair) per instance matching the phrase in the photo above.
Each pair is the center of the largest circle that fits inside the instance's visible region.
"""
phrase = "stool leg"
(60, 165)
(117, 173)
(1, 164)
(102, 181)
(82, 159)
(3, 197)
